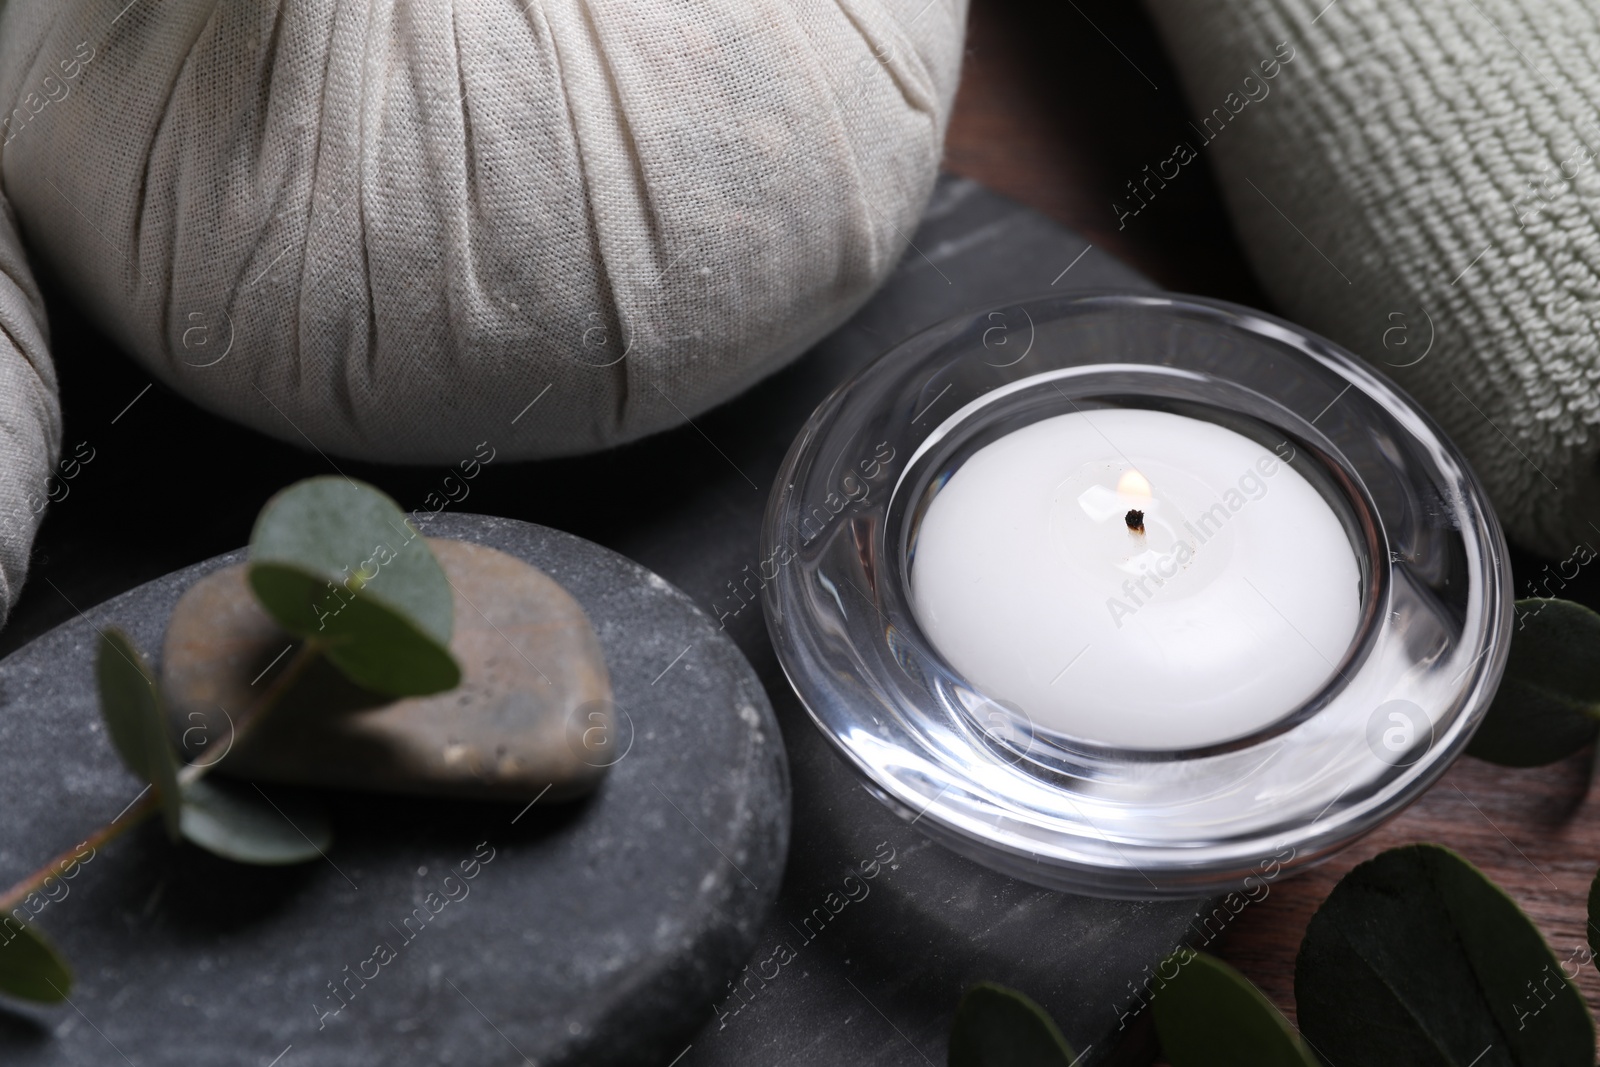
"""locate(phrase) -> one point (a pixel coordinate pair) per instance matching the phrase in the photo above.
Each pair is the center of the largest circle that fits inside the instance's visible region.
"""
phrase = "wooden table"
(1060, 105)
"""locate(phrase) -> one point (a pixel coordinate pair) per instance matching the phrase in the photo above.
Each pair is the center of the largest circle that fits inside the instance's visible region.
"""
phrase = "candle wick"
(1135, 520)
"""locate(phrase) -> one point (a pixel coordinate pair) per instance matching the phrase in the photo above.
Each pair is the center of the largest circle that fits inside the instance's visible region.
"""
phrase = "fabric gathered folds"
(397, 230)
(1421, 183)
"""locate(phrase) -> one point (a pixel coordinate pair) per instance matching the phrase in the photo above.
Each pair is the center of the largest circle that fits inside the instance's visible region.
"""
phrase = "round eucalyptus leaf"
(30, 966)
(1417, 958)
(1209, 1015)
(337, 561)
(130, 703)
(999, 1027)
(1548, 704)
(237, 821)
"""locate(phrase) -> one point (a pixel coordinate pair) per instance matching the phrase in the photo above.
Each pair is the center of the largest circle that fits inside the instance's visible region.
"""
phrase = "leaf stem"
(147, 805)
(303, 657)
(150, 801)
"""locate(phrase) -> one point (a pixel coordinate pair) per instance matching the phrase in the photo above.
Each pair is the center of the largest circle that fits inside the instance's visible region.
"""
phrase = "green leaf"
(1209, 1015)
(1417, 958)
(237, 821)
(131, 706)
(337, 562)
(30, 966)
(999, 1027)
(1549, 700)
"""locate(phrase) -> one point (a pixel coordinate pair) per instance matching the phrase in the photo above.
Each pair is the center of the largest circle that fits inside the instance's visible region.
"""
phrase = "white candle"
(1226, 612)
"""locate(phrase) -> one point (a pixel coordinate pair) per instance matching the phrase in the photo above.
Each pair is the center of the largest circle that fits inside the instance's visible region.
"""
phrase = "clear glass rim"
(1081, 816)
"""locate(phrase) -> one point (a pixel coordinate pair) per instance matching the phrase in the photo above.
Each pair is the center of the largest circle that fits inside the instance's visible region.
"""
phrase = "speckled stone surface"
(532, 717)
(435, 932)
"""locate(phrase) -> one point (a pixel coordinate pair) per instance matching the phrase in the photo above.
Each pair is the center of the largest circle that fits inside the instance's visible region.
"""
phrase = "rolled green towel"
(1418, 180)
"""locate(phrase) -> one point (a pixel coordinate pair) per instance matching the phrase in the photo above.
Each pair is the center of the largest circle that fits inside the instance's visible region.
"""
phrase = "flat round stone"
(435, 931)
(533, 715)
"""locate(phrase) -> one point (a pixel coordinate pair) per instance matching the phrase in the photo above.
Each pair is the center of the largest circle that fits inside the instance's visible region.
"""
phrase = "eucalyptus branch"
(398, 645)
(149, 802)
(303, 657)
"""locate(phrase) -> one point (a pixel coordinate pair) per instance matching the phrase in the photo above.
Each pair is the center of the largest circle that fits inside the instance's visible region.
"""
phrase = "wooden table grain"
(1060, 105)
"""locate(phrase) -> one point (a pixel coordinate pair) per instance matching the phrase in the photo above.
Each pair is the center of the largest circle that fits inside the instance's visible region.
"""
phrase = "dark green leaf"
(1416, 958)
(1210, 1015)
(1548, 702)
(131, 706)
(338, 562)
(30, 966)
(238, 822)
(999, 1027)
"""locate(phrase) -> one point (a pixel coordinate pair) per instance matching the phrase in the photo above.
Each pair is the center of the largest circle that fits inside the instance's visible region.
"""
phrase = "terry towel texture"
(1424, 177)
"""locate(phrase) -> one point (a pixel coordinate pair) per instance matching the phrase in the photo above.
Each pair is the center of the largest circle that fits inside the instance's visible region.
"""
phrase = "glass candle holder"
(1037, 801)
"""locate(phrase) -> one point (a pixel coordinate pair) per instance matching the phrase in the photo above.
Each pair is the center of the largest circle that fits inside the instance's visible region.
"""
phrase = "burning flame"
(1132, 483)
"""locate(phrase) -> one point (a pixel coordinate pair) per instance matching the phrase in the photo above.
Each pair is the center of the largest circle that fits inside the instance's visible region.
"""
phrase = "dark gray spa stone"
(878, 982)
(591, 933)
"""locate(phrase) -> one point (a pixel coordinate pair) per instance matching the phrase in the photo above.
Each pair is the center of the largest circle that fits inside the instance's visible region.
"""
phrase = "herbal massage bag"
(386, 228)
